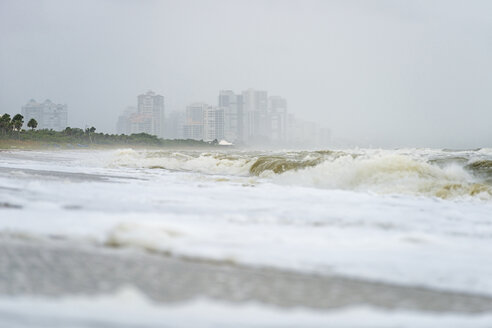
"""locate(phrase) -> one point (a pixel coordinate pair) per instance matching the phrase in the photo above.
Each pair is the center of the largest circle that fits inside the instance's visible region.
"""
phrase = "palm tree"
(17, 122)
(5, 123)
(90, 132)
(32, 124)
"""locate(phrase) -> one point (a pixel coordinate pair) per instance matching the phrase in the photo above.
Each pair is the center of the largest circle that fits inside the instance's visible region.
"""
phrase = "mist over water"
(340, 172)
(377, 73)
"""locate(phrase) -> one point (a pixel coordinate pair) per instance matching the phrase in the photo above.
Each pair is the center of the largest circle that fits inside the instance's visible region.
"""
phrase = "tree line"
(11, 128)
(9, 125)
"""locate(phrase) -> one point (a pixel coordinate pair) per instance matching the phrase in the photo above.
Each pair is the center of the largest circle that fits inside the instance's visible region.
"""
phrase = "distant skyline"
(378, 73)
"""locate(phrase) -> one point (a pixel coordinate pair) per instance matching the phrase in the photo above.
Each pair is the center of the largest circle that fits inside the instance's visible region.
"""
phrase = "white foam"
(401, 239)
(211, 163)
(129, 307)
(389, 174)
(405, 171)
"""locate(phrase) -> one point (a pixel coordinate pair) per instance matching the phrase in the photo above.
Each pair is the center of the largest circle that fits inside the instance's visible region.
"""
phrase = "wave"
(209, 163)
(481, 167)
(391, 174)
(279, 165)
(436, 174)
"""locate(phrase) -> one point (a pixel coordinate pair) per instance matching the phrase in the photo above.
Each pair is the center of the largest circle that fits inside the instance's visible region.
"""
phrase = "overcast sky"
(380, 73)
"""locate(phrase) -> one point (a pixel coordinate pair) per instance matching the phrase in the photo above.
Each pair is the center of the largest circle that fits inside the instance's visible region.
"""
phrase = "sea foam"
(420, 173)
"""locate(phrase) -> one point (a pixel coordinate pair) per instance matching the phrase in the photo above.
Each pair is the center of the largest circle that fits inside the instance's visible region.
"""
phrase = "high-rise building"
(256, 109)
(253, 117)
(213, 124)
(277, 117)
(204, 122)
(194, 123)
(147, 117)
(151, 114)
(232, 105)
(48, 114)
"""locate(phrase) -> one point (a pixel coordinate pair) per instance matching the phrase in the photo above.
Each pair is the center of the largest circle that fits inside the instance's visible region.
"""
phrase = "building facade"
(148, 117)
(250, 117)
(213, 126)
(194, 122)
(150, 107)
(204, 122)
(48, 114)
(253, 117)
(232, 105)
(256, 118)
(277, 117)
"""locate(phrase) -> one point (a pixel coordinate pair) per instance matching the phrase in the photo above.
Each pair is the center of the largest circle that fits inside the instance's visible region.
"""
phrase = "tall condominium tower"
(204, 122)
(256, 109)
(213, 124)
(151, 113)
(194, 122)
(277, 117)
(232, 105)
(48, 114)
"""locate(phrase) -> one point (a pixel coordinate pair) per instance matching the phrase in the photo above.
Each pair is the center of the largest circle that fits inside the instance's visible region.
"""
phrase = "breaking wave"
(423, 173)
(482, 168)
(277, 164)
(208, 163)
(392, 174)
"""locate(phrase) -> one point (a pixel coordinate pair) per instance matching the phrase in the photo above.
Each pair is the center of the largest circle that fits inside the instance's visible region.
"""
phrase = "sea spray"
(430, 173)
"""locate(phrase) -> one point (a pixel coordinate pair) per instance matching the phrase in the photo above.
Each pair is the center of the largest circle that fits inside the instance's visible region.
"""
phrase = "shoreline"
(60, 268)
(26, 145)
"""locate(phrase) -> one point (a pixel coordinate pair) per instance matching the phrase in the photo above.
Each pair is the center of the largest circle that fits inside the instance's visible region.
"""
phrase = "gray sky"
(380, 73)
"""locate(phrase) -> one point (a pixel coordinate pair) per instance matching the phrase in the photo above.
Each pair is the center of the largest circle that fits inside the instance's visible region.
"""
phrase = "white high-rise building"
(48, 114)
(204, 122)
(147, 117)
(256, 109)
(233, 115)
(277, 116)
(194, 123)
(213, 124)
(150, 108)
(253, 117)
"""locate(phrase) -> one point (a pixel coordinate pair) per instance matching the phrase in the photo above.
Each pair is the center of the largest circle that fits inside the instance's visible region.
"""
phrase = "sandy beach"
(58, 268)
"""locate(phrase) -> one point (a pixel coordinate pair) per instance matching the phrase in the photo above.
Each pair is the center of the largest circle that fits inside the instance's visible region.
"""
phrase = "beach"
(60, 268)
(291, 235)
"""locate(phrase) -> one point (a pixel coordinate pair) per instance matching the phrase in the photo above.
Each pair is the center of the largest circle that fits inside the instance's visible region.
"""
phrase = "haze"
(378, 73)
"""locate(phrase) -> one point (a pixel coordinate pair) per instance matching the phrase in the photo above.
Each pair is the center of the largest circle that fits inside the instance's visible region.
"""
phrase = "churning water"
(410, 216)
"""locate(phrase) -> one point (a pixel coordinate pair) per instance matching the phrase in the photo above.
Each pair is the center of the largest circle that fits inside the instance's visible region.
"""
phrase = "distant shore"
(13, 144)
(74, 138)
(20, 144)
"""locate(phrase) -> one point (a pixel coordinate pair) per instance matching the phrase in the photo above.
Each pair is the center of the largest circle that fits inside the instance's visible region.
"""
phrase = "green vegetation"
(17, 122)
(32, 124)
(5, 124)
(12, 135)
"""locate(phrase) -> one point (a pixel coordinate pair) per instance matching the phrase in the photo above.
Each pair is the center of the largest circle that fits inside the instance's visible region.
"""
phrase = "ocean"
(416, 218)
